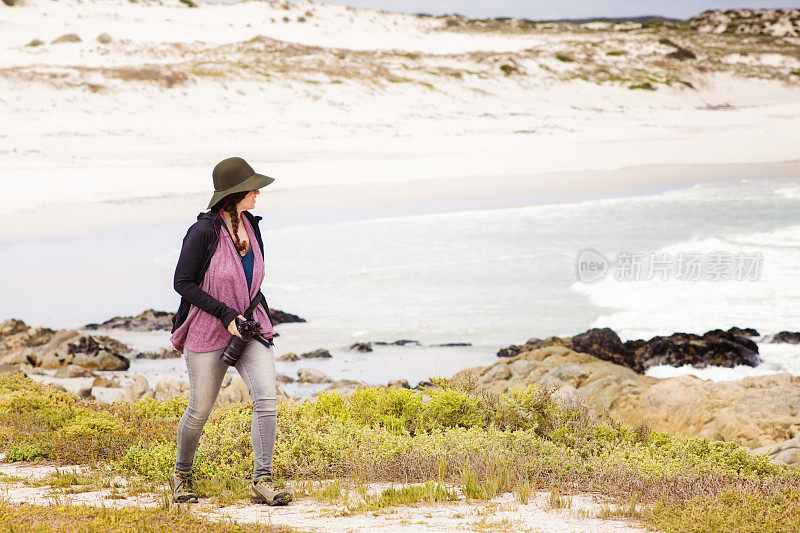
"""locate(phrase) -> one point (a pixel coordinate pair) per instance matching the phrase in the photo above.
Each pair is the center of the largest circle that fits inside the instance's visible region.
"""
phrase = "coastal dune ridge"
(353, 106)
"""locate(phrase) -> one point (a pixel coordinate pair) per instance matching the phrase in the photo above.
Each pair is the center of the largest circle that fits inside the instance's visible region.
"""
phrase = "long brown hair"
(230, 202)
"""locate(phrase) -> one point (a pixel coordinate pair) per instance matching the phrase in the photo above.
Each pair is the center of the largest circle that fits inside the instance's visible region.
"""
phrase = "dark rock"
(533, 344)
(147, 320)
(401, 342)
(86, 394)
(713, 348)
(361, 347)
(35, 42)
(399, 384)
(744, 332)
(786, 337)
(453, 344)
(152, 320)
(282, 317)
(680, 52)
(320, 353)
(114, 343)
(97, 353)
(289, 356)
(605, 344)
(163, 353)
(104, 38)
(508, 70)
(511, 351)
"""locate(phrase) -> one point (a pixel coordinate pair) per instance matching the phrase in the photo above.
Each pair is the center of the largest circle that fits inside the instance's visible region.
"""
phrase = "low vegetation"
(658, 54)
(68, 519)
(448, 442)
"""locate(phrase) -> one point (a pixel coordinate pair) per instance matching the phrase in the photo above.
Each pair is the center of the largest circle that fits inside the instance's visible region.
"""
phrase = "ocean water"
(489, 277)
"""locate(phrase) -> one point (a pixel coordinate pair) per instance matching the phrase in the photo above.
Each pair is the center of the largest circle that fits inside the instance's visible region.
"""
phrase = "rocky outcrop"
(312, 375)
(99, 353)
(744, 332)
(15, 333)
(775, 22)
(320, 353)
(787, 452)
(147, 320)
(152, 320)
(361, 347)
(515, 350)
(282, 317)
(452, 344)
(713, 348)
(49, 349)
(757, 411)
(785, 337)
(399, 342)
(163, 353)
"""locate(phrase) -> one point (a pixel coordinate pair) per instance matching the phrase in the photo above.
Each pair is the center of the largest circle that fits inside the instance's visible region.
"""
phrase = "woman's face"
(249, 201)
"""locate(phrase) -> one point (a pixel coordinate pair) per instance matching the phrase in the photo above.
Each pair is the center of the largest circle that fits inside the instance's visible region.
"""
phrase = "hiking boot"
(182, 486)
(264, 491)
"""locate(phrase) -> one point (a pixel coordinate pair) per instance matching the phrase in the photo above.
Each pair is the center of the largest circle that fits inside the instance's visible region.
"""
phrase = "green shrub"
(732, 510)
(519, 441)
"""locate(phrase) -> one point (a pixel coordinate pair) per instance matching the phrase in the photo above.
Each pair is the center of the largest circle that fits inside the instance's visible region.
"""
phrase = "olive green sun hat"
(235, 175)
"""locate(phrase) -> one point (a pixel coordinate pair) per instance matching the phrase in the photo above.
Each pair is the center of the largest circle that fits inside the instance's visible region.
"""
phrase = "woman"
(219, 275)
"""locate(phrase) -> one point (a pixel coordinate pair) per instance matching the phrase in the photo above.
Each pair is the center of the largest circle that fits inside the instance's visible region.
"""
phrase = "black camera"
(248, 329)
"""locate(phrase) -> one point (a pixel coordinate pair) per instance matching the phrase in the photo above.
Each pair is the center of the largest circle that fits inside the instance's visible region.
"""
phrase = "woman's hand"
(232, 327)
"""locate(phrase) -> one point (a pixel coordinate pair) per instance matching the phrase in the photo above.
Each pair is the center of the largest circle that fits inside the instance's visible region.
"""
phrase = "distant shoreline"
(380, 199)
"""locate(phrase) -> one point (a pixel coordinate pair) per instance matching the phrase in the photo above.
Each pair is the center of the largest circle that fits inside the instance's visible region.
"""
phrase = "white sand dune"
(363, 107)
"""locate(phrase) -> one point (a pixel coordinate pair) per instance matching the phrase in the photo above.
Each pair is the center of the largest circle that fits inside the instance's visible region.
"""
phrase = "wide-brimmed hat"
(235, 175)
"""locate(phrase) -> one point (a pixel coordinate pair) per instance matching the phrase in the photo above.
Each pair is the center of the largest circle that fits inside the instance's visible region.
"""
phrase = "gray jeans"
(206, 371)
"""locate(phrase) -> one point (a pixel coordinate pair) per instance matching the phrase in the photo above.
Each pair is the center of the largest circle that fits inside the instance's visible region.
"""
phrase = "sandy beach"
(397, 109)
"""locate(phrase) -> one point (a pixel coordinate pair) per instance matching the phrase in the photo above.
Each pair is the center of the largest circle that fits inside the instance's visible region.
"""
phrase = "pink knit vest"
(225, 281)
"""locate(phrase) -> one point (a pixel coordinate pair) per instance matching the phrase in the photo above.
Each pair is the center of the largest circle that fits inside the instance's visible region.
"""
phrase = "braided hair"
(229, 202)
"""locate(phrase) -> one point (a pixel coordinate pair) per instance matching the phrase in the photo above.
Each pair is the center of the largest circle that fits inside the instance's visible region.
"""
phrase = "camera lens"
(233, 351)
